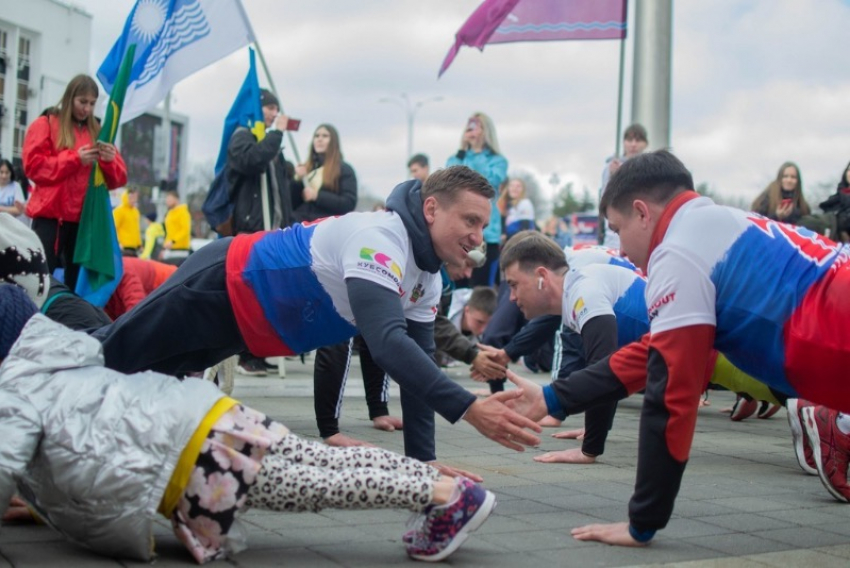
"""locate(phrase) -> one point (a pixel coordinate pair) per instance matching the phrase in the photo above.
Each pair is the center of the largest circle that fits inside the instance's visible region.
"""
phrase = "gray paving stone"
(803, 537)
(739, 544)
(744, 501)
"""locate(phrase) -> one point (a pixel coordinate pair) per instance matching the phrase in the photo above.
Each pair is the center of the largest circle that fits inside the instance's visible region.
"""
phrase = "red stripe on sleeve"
(687, 353)
(629, 364)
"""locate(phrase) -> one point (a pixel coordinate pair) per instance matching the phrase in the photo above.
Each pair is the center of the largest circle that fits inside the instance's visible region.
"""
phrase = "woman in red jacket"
(60, 150)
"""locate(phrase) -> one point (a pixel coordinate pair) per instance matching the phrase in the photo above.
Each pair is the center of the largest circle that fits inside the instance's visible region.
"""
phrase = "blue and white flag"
(174, 39)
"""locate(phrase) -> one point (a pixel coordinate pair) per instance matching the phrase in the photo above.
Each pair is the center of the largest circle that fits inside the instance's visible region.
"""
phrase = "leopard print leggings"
(299, 475)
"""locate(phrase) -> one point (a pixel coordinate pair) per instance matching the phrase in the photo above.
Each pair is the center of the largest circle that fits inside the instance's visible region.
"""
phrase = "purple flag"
(503, 21)
(479, 27)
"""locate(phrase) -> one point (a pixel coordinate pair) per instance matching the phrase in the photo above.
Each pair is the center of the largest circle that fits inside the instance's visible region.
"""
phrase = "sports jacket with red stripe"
(771, 297)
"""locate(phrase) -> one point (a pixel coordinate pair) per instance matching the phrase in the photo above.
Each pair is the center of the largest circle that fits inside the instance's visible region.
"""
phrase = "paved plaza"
(744, 500)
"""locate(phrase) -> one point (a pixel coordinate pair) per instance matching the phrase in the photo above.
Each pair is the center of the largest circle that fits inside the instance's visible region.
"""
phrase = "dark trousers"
(330, 375)
(184, 326)
(59, 240)
(598, 420)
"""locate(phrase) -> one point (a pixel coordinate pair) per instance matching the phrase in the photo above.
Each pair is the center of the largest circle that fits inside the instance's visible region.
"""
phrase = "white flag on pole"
(174, 38)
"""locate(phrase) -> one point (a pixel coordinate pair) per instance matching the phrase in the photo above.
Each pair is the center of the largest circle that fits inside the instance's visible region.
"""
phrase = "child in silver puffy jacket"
(97, 454)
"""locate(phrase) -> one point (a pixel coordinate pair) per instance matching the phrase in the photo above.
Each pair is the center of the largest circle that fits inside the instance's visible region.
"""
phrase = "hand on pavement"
(530, 403)
(455, 471)
(577, 434)
(494, 419)
(340, 440)
(18, 512)
(575, 455)
(614, 533)
(387, 423)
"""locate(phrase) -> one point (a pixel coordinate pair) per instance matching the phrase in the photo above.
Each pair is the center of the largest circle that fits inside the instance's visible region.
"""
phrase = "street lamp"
(410, 107)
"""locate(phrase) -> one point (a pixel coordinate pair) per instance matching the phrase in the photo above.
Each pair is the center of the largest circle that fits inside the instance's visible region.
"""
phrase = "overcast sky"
(755, 83)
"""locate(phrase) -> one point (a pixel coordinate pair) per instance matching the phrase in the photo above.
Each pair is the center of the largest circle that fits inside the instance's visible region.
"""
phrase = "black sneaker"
(251, 367)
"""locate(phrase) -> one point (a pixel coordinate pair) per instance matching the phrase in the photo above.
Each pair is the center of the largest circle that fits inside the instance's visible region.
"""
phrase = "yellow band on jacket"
(183, 472)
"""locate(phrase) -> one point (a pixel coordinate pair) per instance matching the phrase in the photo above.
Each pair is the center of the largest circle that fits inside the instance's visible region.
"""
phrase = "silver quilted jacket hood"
(92, 449)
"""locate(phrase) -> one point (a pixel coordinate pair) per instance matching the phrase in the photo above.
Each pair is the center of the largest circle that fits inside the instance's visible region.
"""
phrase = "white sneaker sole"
(811, 429)
(797, 434)
(476, 521)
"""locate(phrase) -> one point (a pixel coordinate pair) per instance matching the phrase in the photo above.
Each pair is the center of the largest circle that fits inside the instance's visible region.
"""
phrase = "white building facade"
(43, 45)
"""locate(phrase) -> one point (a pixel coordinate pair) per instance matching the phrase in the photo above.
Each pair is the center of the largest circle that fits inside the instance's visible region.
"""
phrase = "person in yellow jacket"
(154, 236)
(178, 230)
(128, 223)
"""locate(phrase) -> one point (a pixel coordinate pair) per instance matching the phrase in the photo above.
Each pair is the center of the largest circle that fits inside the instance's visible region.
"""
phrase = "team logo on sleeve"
(380, 263)
(579, 309)
(418, 290)
(653, 309)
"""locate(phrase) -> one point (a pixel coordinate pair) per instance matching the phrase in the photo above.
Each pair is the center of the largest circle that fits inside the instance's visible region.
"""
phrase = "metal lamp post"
(410, 107)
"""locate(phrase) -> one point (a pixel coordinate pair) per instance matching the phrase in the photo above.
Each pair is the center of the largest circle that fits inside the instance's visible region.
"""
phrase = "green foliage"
(566, 201)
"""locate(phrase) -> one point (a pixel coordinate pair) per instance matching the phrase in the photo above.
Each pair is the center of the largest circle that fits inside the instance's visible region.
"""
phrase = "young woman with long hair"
(516, 208)
(59, 153)
(479, 150)
(782, 200)
(324, 185)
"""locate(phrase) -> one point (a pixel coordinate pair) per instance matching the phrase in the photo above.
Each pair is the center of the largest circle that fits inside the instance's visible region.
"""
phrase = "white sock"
(453, 499)
(843, 423)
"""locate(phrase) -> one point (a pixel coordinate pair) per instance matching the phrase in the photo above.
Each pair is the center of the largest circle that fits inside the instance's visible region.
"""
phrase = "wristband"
(641, 536)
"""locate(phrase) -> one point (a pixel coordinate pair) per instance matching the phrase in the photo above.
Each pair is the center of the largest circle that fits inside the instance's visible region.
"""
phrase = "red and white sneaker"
(802, 448)
(743, 408)
(768, 409)
(830, 449)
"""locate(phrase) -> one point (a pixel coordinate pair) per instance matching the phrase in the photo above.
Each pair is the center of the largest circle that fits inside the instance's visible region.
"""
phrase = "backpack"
(217, 207)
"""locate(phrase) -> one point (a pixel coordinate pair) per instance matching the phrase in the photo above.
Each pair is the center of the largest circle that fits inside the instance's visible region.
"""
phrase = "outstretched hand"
(530, 403)
(455, 471)
(494, 419)
(577, 434)
(614, 533)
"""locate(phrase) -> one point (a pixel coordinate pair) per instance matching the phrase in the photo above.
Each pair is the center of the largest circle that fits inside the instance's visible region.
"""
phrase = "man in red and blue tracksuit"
(771, 297)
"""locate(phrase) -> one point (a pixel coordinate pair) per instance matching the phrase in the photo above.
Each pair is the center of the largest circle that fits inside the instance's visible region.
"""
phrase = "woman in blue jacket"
(479, 150)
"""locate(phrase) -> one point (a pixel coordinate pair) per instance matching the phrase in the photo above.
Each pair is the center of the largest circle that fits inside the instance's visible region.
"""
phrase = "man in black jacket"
(259, 186)
(258, 175)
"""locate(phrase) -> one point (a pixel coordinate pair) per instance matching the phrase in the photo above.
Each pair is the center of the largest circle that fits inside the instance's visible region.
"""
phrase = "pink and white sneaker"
(441, 529)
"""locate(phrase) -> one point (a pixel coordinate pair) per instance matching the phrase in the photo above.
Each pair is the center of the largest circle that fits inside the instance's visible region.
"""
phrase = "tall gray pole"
(652, 69)
(166, 138)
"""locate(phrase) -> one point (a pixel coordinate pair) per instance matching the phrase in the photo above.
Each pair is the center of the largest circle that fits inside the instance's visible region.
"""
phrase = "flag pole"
(274, 90)
(620, 86)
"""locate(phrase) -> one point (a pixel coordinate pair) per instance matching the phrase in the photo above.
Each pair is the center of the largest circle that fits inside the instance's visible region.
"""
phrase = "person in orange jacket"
(59, 152)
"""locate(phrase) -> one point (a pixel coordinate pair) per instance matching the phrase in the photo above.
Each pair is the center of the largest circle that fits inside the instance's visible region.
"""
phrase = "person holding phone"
(479, 150)
(256, 166)
(59, 153)
(782, 200)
